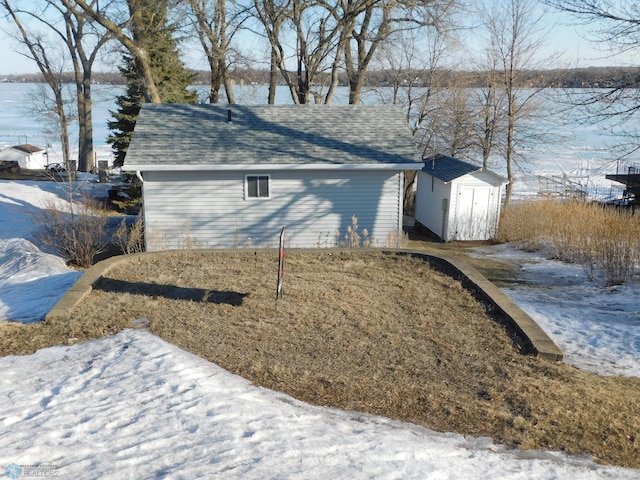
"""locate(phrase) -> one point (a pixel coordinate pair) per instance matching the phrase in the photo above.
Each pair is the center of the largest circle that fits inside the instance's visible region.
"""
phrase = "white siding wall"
(429, 197)
(33, 161)
(209, 209)
(461, 228)
(429, 210)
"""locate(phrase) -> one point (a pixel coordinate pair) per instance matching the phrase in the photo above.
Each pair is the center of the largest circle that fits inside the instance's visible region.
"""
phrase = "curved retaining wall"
(524, 331)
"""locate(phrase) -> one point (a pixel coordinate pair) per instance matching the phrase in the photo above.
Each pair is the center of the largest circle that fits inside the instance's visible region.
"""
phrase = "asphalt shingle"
(191, 134)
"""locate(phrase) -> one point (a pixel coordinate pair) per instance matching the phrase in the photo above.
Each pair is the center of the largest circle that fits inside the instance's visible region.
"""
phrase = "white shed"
(28, 156)
(234, 175)
(457, 200)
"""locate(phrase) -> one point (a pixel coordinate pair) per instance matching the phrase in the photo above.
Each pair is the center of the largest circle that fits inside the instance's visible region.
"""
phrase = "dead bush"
(130, 239)
(353, 239)
(75, 230)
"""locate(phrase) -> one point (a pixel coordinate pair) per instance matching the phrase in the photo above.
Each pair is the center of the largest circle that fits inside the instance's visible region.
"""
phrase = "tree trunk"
(228, 88)
(273, 77)
(511, 126)
(85, 124)
(64, 126)
(214, 80)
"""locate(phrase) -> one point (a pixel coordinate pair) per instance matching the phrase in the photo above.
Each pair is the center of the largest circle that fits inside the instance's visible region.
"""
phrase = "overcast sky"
(569, 40)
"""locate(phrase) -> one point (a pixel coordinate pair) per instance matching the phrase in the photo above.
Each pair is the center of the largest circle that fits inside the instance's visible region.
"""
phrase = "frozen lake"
(582, 153)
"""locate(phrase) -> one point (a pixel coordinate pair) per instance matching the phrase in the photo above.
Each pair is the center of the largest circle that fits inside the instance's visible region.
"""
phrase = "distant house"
(225, 176)
(630, 178)
(28, 156)
(457, 200)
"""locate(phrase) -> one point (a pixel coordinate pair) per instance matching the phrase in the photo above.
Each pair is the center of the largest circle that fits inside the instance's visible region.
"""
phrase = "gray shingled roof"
(448, 168)
(195, 135)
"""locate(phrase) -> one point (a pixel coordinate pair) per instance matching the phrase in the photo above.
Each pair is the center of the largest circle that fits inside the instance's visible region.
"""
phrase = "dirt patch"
(380, 333)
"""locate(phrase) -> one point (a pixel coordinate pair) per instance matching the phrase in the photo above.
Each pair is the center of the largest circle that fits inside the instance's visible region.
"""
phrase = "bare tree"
(515, 32)
(331, 36)
(51, 67)
(614, 28)
(272, 15)
(413, 78)
(369, 23)
(615, 24)
(489, 100)
(456, 119)
(215, 28)
(316, 27)
(83, 44)
(125, 27)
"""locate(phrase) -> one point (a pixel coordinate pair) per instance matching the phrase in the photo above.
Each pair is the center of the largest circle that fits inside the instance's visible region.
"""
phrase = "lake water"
(581, 153)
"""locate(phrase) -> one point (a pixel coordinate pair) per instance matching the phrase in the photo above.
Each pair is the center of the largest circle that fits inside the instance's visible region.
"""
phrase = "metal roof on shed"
(447, 168)
(194, 136)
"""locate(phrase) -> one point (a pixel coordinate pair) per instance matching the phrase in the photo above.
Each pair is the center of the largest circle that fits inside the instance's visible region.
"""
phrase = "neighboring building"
(28, 156)
(457, 200)
(630, 178)
(225, 176)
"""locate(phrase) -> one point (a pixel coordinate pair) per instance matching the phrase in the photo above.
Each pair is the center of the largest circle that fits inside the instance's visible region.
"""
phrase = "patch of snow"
(134, 406)
(597, 328)
(31, 282)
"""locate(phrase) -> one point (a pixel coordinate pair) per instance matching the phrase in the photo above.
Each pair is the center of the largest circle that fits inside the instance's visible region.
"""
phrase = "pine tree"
(169, 73)
(127, 113)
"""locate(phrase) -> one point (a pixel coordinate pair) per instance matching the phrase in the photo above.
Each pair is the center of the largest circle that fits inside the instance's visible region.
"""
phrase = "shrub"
(130, 239)
(605, 240)
(398, 239)
(74, 230)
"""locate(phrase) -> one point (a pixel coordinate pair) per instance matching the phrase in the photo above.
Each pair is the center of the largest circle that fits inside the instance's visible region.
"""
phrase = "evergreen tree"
(169, 74)
(127, 113)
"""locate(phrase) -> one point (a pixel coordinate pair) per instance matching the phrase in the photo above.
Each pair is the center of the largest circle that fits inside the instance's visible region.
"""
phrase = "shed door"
(473, 220)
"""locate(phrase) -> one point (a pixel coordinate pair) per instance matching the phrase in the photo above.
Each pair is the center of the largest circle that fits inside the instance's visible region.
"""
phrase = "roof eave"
(483, 170)
(271, 167)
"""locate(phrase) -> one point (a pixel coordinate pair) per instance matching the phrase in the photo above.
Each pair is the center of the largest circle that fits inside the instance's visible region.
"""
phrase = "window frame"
(257, 177)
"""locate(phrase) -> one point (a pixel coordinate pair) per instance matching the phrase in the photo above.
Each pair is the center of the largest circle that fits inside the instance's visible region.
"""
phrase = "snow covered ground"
(134, 406)
(597, 328)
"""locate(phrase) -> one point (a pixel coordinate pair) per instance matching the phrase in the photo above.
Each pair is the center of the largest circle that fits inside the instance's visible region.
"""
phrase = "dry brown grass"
(359, 330)
(605, 240)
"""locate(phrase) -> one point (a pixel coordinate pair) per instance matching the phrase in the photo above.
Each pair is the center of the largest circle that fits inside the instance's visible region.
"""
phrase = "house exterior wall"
(477, 209)
(208, 209)
(36, 161)
(33, 161)
(473, 206)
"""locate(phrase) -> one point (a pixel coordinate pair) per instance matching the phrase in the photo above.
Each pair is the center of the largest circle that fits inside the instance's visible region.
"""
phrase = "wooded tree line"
(311, 47)
(583, 77)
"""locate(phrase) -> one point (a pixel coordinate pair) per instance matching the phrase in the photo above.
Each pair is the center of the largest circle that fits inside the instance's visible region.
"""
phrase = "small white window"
(257, 186)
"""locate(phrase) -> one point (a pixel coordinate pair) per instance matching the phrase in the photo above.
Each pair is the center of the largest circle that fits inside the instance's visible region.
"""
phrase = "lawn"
(359, 330)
